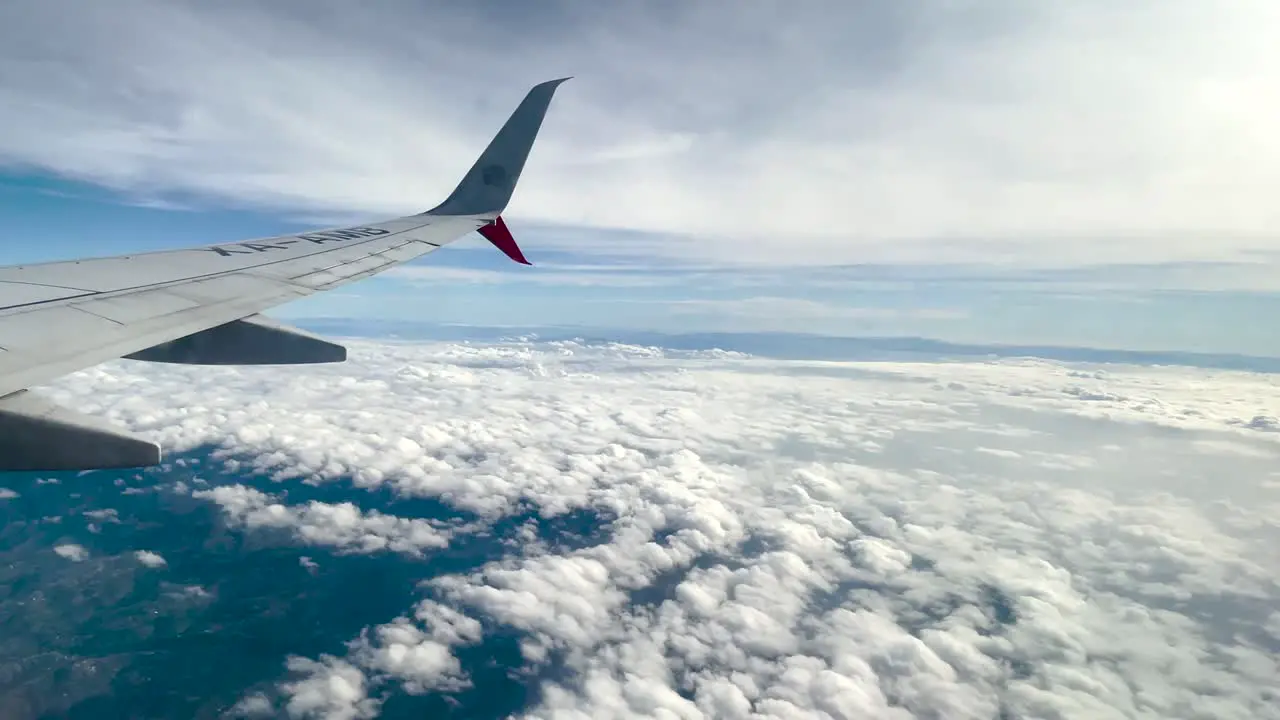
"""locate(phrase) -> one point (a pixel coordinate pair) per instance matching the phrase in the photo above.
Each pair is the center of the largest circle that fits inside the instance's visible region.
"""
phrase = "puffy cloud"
(8, 494)
(343, 526)
(108, 515)
(190, 592)
(421, 658)
(327, 689)
(980, 129)
(414, 651)
(769, 538)
(150, 559)
(256, 705)
(72, 552)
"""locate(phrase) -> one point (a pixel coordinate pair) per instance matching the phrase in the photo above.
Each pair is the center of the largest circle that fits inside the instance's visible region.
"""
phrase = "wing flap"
(255, 340)
(321, 279)
(32, 327)
(38, 434)
(221, 287)
(136, 306)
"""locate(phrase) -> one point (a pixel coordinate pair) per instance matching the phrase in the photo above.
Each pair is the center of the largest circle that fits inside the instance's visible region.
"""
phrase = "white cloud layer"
(781, 538)
(832, 131)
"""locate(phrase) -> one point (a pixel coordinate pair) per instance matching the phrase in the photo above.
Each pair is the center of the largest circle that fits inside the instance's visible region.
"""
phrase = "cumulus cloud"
(327, 689)
(419, 657)
(8, 494)
(150, 559)
(829, 131)
(343, 526)
(193, 593)
(72, 552)
(769, 538)
(108, 515)
(256, 705)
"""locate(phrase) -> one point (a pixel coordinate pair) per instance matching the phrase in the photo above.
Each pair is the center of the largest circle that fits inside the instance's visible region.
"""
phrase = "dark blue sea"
(107, 637)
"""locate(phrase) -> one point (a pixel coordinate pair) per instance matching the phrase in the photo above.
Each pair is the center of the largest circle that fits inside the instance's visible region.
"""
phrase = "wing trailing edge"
(38, 434)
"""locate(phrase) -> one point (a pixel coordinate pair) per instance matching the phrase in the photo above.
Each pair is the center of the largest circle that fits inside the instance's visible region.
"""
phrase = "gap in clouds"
(227, 608)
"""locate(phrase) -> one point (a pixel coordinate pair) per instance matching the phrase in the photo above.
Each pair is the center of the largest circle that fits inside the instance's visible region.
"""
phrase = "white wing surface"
(200, 305)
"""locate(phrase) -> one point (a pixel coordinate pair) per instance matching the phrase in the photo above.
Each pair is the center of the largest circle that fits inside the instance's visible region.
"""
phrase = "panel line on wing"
(51, 301)
(359, 267)
(38, 284)
(87, 311)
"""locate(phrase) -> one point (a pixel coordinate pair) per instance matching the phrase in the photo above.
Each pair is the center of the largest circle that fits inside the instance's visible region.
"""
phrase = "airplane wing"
(200, 305)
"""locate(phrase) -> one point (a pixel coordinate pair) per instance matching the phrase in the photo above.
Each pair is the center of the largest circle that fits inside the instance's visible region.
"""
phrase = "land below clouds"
(792, 346)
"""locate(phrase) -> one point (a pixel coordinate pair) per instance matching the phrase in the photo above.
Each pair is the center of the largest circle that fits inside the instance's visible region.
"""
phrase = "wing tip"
(488, 185)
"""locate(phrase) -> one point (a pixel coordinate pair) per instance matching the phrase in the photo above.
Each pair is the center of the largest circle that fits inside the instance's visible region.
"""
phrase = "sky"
(982, 171)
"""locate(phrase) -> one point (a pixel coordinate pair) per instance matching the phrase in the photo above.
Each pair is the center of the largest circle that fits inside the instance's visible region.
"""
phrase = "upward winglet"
(486, 188)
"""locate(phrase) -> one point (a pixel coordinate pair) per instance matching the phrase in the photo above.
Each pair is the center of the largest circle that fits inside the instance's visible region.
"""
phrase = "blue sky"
(986, 173)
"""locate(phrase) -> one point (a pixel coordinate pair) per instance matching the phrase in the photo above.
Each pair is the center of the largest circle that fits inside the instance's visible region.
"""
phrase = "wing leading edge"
(200, 305)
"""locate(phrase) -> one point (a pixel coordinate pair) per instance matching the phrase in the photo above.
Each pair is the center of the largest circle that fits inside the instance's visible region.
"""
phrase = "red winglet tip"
(497, 233)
